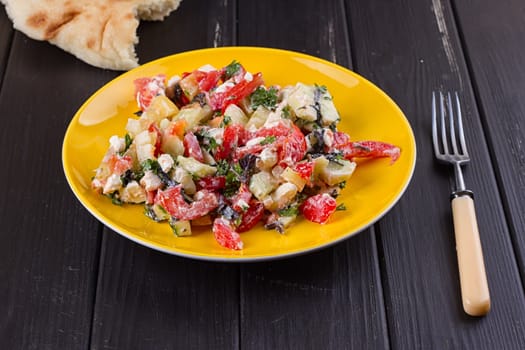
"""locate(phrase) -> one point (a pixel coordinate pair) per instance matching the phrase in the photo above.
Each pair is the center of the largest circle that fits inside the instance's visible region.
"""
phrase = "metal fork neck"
(460, 183)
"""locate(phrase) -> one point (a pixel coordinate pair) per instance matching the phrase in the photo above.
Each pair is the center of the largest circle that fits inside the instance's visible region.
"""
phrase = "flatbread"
(102, 33)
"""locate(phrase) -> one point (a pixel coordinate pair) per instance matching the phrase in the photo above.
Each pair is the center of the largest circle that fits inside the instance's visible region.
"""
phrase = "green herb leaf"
(263, 97)
(267, 140)
(151, 164)
(226, 121)
(115, 198)
(340, 207)
(231, 69)
(286, 112)
(222, 167)
(291, 210)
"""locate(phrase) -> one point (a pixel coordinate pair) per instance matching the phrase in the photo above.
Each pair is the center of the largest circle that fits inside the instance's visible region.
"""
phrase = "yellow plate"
(366, 112)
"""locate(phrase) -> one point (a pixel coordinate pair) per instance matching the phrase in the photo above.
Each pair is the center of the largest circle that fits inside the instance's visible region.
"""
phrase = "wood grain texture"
(331, 299)
(150, 300)
(48, 242)
(6, 34)
(496, 61)
(410, 48)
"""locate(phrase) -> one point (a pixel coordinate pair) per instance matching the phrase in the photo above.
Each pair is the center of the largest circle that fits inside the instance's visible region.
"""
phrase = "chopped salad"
(218, 147)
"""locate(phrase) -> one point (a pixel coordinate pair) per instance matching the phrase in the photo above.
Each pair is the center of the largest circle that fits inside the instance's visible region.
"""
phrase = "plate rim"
(239, 258)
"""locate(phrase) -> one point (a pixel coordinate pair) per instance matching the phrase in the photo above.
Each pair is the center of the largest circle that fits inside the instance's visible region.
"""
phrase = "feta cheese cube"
(166, 162)
(113, 184)
(150, 181)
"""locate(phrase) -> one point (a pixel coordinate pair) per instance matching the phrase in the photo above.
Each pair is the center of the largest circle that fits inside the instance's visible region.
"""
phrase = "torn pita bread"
(102, 33)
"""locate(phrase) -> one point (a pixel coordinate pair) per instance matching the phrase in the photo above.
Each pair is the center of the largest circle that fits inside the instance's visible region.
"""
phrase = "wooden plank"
(48, 242)
(410, 48)
(494, 43)
(333, 298)
(6, 34)
(146, 299)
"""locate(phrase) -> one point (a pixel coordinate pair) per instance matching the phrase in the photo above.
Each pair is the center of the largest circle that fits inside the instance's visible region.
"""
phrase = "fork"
(449, 147)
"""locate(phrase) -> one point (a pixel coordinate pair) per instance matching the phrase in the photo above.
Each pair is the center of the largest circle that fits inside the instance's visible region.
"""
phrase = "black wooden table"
(67, 282)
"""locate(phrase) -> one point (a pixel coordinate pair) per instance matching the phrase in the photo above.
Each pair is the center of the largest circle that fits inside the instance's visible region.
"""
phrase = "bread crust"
(102, 33)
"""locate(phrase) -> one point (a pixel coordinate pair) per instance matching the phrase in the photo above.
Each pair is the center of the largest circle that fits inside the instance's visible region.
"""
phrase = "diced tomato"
(290, 142)
(225, 234)
(233, 95)
(294, 147)
(209, 80)
(369, 149)
(192, 147)
(240, 152)
(251, 217)
(304, 169)
(158, 140)
(233, 137)
(171, 199)
(281, 129)
(241, 199)
(118, 165)
(211, 183)
(341, 139)
(146, 89)
(318, 208)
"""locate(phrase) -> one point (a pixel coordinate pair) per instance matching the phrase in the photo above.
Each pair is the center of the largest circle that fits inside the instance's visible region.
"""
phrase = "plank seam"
(5, 59)
(489, 143)
(97, 277)
(377, 249)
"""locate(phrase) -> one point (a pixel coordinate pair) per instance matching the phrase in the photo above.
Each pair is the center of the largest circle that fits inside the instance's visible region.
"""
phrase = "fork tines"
(448, 142)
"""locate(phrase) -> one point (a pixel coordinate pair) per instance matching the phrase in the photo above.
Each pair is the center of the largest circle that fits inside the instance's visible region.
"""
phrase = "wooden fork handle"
(473, 279)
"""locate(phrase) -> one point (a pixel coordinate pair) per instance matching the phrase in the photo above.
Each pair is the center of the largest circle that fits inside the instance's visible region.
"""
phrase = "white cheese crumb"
(117, 144)
(166, 162)
(150, 181)
(223, 87)
(207, 68)
(133, 193)
(113, 183)
(248, 76)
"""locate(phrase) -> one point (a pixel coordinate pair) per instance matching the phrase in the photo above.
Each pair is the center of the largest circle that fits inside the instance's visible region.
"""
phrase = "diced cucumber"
(236, 115)
(262, 184)
(160, 212)
(180, 228)
(293, 176)
(172, 145)
(194, 114)
(302, 102)
(195, 168)
(258, 118)
(329, 114)
(161, 107)
(337, 172)
(287, 221)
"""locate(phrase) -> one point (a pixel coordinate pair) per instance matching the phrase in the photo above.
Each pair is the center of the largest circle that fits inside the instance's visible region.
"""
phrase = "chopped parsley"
(263, 97)
(231, 69)
(291, 210)
(340, 207)
(151, 164)
(115, 198)
(206, 141)
(226, 121)
(127, 142)
(286, 112)
(267, 140)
